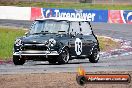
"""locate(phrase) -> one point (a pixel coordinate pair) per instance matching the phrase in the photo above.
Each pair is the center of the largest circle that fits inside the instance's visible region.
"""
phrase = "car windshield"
(49, 26)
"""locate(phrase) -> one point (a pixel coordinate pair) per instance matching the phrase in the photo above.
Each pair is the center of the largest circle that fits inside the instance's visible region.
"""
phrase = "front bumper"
(36, 53)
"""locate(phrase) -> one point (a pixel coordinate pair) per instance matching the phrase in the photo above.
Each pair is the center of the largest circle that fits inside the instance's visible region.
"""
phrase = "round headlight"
(52, 42)
(18, 42)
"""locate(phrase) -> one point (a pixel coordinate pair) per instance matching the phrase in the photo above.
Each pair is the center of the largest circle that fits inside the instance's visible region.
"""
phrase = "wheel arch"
(64, 48)
(96, 45)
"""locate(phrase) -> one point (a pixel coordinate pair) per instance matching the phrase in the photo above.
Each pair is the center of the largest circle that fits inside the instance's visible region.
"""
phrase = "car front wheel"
(18, 61)
(52, 61)
(94, 57)
(64, 56)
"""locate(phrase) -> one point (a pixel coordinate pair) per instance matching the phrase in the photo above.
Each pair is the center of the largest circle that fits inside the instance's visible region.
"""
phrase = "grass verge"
(8, 36)
(107, 44)
(69, 5)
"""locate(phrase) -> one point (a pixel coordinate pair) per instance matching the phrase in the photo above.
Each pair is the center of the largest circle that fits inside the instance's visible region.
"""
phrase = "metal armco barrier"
(90, 15)
(15, 13)
(107, 16)
(32, 13)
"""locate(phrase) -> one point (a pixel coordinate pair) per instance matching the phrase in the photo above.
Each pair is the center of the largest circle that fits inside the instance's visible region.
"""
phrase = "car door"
(76, 40)
(88, 37)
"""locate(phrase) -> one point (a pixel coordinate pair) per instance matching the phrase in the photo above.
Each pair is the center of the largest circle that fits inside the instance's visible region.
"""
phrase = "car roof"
(61, 19)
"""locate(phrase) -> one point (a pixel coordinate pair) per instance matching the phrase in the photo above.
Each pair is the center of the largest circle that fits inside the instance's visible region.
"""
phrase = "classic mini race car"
(57, 41)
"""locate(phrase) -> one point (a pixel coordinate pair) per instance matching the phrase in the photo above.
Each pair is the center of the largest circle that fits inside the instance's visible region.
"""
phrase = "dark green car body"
(57, 41)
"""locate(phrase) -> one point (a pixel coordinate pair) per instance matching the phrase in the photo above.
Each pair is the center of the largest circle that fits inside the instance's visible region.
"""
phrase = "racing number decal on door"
(78, 46)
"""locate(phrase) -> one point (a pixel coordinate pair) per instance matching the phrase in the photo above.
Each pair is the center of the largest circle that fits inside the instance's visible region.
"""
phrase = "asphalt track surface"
(118, 63)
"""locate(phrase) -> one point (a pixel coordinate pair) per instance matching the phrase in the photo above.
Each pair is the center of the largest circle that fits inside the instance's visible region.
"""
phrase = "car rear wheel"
(64, 56)
(94, 57)
(18, 61)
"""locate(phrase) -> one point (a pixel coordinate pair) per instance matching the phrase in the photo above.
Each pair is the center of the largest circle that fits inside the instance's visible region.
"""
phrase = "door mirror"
(26, 33)
(72, 35)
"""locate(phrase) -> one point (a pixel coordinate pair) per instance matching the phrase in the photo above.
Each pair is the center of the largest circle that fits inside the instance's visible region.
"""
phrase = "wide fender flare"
(63, 46)
(94, 46)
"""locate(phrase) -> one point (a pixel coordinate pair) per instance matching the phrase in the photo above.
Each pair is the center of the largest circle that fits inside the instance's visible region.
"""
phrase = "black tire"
(18, 61)
(52, 61)
(64, 56)
(94, 57)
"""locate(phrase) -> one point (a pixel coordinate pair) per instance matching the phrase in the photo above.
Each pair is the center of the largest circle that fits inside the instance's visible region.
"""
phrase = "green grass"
(8, 36)
(69, 5)
(107, 44)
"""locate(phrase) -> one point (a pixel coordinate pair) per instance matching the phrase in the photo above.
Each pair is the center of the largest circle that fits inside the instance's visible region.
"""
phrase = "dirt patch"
(53, 80)
(108, 43)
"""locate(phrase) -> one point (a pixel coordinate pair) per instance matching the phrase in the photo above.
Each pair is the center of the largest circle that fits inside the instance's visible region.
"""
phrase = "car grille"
(34, 47)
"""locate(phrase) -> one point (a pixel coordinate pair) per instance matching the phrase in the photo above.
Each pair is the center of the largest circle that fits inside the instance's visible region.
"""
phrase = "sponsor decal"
(127, 16)
(90, 15)
(78, 46)
(110, 16)
(83, 78)
(120, 16)
(47, 13)
(114, 16)
(76, 14)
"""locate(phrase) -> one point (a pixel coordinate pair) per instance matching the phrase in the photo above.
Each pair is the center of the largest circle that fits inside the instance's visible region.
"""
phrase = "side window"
(74, 28)
(85, 28)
